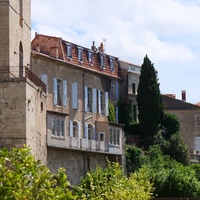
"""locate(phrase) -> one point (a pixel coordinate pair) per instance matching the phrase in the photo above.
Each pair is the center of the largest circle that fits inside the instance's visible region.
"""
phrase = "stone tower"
(15, 33)
(22, 103)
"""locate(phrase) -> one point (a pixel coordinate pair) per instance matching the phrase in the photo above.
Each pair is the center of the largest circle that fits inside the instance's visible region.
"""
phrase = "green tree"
(149, 101)
(22, 177)
(178, 149)
(110, 183)
(171, 178)
(134, 158)
(111, 114)
(170, 124)
(126, 115)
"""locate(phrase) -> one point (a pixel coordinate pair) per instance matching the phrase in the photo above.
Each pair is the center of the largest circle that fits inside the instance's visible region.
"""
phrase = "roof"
(172, 103)
(56, 48)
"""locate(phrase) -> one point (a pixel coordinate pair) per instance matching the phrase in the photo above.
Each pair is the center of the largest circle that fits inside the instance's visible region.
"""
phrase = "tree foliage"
(170, 124)
(111, 114)
(134, 158)
(171, 178)
(22, 177)
(126, 115)
(178, 149)
(149, 101)
(110, 183)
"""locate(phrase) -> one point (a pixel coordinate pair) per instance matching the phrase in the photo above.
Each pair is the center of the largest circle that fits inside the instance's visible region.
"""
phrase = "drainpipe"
(83, 122)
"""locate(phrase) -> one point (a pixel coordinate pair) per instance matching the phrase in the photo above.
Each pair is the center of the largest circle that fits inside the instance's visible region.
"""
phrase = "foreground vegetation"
(22, 177)
(153, 174)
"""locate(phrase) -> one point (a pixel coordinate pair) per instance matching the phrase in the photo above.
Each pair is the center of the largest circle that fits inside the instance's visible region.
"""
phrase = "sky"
(167, 31)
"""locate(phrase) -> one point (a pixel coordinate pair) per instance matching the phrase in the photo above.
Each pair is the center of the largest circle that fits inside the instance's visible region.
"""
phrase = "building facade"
(80, 83)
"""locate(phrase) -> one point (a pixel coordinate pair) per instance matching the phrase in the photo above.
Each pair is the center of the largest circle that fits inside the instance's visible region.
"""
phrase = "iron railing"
(8, 73)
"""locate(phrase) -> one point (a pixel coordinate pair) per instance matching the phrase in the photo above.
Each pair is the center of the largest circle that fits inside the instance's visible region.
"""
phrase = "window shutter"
(86, 98)
(75, 96)
(94, 132)
(64, 93)
(116, 114)
(94, 100)
(71, 128)
(86, 131)
(79, 130)
(55, 97)
(106, 103)
(117, 90)
(44, 78)
(99, 102)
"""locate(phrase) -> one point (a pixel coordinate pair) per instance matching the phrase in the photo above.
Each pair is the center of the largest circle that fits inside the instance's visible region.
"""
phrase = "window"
(102, 61)
(75, 128)
(21, 13)
(89, 132)
(58, 127)
(103, 103)
(111, 60)
(60, 92)
(21, 59)
(101, 137)
(133, 88)
(197, 120)
(114, 136)
(112, 90)
(88, 99)
(90, 58)
(69, 51)
(80, 54)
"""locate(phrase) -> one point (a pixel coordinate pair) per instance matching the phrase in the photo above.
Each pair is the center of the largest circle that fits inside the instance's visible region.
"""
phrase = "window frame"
(114, 137)
(102, 61)
(90, 58)
(80, 54)
(69, 51)
(112, 63)
(58, 127)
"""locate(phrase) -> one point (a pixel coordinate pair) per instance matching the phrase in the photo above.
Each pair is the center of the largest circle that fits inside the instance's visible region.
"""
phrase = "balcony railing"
(7, 73)
(84, 145)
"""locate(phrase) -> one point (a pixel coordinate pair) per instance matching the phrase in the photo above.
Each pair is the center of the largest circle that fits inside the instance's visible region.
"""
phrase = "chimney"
(101, 48)
(38, 48)
(183, 94)
(93, 47)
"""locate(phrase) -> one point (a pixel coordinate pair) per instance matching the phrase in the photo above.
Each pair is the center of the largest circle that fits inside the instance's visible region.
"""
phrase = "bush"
(110, 183)
(22, 177)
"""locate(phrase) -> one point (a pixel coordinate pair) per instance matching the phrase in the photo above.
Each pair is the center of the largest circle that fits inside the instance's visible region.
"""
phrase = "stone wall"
(12, 32)
(76, 163)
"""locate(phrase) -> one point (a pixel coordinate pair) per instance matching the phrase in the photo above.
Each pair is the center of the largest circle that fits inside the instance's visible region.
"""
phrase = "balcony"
(13, 72)
(82, 144)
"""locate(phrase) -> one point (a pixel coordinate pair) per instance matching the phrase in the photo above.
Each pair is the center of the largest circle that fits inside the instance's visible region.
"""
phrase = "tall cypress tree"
(149, 102)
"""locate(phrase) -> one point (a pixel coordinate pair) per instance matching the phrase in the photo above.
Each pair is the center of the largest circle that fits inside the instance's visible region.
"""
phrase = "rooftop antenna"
(104, 44)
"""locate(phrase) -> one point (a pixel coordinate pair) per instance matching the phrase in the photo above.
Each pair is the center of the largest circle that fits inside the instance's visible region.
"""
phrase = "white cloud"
(167, 31)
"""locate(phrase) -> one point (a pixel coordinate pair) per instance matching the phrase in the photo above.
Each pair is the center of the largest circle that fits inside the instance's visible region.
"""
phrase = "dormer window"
(69, 51)
(80, 54)
(111, 63)
(90, 58)
(102, 61)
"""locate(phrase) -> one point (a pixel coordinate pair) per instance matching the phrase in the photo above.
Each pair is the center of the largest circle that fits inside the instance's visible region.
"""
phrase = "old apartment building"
(80, 82)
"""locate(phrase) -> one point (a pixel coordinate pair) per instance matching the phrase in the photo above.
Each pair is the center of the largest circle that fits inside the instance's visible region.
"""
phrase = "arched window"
(21, 12)
(21, 57)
